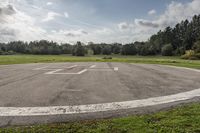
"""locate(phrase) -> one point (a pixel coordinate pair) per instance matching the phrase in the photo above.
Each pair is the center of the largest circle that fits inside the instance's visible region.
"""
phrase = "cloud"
(177, 12)
(51, 16)
(152, 12)
(104, 31)
(49, 3)
(22, 21)
(123, 26)
(146, 23)
(17, 25)
(66, 14)
(71, 33)
(174, 13)
(7, 10)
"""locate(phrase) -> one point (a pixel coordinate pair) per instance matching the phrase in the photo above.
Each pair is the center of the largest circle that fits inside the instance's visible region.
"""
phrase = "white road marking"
(74, 90)
(183, 68)
(116, 68)
(53, 72)
(82, 71)
(91, 108)
(92, 66)
(72, 66)
(102, 70)
(40, 68)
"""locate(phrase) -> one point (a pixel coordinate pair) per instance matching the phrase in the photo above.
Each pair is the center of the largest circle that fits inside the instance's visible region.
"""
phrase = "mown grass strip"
(179, 120)
(22, 59)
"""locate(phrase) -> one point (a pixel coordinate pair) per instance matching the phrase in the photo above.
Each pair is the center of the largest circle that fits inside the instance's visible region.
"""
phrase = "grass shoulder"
(163, 60)
(180, 119)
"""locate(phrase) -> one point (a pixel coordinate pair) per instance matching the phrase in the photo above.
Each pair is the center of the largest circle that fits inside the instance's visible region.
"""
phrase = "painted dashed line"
(82, 71)
(54, 72)
(116, 68)
(41, 68)
(93, 66)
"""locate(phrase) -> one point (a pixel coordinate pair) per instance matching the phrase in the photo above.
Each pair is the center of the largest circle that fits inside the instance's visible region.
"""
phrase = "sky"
(109, 21)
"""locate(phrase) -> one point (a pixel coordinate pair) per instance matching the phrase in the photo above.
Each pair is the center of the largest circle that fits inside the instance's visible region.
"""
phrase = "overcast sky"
(90, 20)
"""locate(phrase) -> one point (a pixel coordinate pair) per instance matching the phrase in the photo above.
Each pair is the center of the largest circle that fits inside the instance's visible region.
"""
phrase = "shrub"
(167, 50)
(1, 52)
(189, 54)
(109, 57)
(197, 55)
(196, 47)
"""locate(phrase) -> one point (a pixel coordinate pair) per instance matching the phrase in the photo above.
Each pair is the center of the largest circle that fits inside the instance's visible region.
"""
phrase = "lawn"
(21, 59)
(180, 119)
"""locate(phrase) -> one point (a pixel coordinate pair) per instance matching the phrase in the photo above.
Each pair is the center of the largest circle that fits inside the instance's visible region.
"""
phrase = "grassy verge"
(21, 59)
(179, 120)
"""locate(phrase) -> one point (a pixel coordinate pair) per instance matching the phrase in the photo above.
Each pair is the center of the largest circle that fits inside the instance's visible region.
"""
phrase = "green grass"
(21, 59)
(183, 119)
(179, 120)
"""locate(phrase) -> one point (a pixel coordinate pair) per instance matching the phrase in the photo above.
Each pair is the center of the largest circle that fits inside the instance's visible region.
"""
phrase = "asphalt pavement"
(76, 84)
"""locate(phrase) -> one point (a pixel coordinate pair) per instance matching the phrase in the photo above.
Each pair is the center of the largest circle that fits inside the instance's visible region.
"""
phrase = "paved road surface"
(71, 84)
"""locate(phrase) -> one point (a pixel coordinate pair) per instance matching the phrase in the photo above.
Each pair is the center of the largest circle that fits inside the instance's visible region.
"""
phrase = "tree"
(79, 49)
(167, 50)
(196, 46)
(106, 50)
(116, 48)
(96, 48)
(66, 48)
(129, 49)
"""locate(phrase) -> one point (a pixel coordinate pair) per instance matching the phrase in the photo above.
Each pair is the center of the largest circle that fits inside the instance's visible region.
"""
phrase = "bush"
(196, 47)
(189, 54)
(1, 52)
(167, 50)
(197, 55)
(109, 57)
(11, 52)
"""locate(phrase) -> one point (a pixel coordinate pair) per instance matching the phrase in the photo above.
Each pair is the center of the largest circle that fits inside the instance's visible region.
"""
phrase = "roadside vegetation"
(167, 60)
(182, 119)
(180, 40)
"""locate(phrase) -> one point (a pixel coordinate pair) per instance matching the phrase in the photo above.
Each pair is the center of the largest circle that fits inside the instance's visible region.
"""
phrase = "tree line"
(170, 41)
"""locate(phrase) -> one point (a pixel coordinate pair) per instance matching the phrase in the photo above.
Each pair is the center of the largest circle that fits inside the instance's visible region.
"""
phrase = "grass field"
(185, 119)
(181, 119)
(21, 59)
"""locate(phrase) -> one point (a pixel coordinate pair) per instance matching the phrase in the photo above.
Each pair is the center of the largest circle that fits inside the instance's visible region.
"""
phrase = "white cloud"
(174, 13)
(66, 14)
(16, 25)
(152, 12)
(103, 31)
(73, 33)
(51, 16)
(123, 26)
(146, 23)
(25, 24)
(49, 3)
